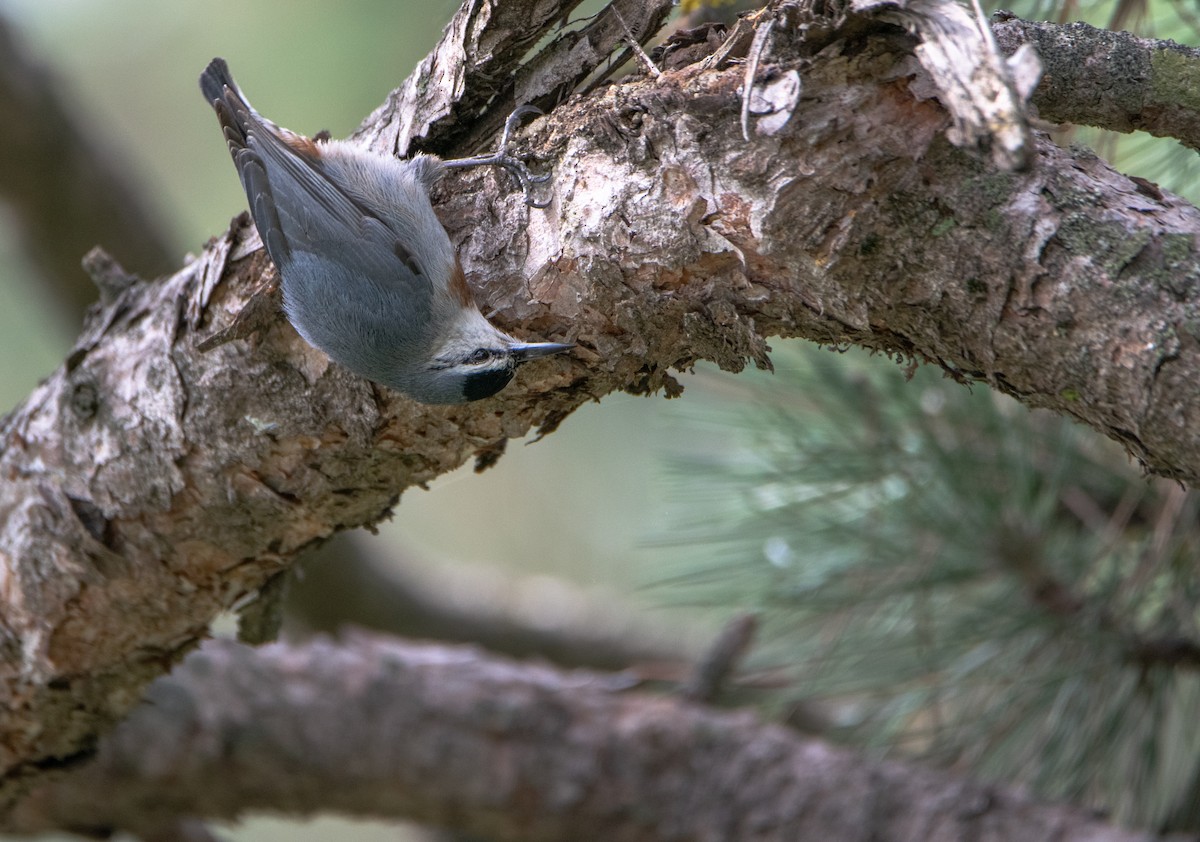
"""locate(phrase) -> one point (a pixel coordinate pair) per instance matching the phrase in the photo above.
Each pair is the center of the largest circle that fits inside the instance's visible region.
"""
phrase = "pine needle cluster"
(945, 574)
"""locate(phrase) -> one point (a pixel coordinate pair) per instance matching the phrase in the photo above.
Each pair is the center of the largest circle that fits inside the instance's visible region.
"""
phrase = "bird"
(368, 273)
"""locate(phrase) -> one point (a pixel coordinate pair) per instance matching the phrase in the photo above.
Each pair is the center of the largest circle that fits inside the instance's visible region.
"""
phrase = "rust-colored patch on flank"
(458, 286)
(300, 144)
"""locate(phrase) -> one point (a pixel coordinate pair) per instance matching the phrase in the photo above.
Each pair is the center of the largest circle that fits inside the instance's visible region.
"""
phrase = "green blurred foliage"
(945, 574)
(951, 575)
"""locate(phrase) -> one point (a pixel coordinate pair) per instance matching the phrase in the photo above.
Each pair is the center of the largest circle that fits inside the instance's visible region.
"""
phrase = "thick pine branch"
(1111, 80)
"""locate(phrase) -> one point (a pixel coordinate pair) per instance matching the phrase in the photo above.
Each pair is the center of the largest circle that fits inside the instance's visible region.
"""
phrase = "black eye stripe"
(476, 357)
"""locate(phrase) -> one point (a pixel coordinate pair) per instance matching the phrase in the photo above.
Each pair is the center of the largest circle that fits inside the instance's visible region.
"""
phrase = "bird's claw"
(518, 170)
(501, 158)
(514, 120)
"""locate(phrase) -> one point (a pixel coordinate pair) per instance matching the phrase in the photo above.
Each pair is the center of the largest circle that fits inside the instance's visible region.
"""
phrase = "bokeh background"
(813, 497)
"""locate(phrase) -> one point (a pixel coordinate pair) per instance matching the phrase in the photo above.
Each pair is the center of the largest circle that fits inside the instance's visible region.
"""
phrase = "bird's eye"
(480, 355)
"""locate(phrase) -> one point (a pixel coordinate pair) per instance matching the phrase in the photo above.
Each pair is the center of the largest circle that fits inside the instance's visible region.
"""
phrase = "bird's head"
(477, 362)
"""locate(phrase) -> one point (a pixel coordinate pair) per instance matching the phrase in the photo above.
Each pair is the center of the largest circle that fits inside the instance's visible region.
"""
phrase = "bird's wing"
(294, 201)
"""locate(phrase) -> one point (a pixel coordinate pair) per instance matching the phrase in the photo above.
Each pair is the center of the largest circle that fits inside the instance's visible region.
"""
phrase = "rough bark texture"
(984, 94)
(1113, 80)
(452, 737)
(463, 90)
(148, 486)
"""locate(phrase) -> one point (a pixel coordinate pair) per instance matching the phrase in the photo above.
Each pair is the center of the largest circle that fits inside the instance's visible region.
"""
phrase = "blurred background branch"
(346, 582)
(67, 189)
(509, 751)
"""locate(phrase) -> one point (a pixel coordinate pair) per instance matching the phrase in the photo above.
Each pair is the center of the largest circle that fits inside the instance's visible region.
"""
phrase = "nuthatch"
(369, 275)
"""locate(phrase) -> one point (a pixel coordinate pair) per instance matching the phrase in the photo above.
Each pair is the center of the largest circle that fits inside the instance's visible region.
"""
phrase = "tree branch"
(1111, 80)
(461, 93)
(148, 486)
(450, 737)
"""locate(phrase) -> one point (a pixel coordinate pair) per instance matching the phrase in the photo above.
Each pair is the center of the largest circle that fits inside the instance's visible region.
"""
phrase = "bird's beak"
(533, 350)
